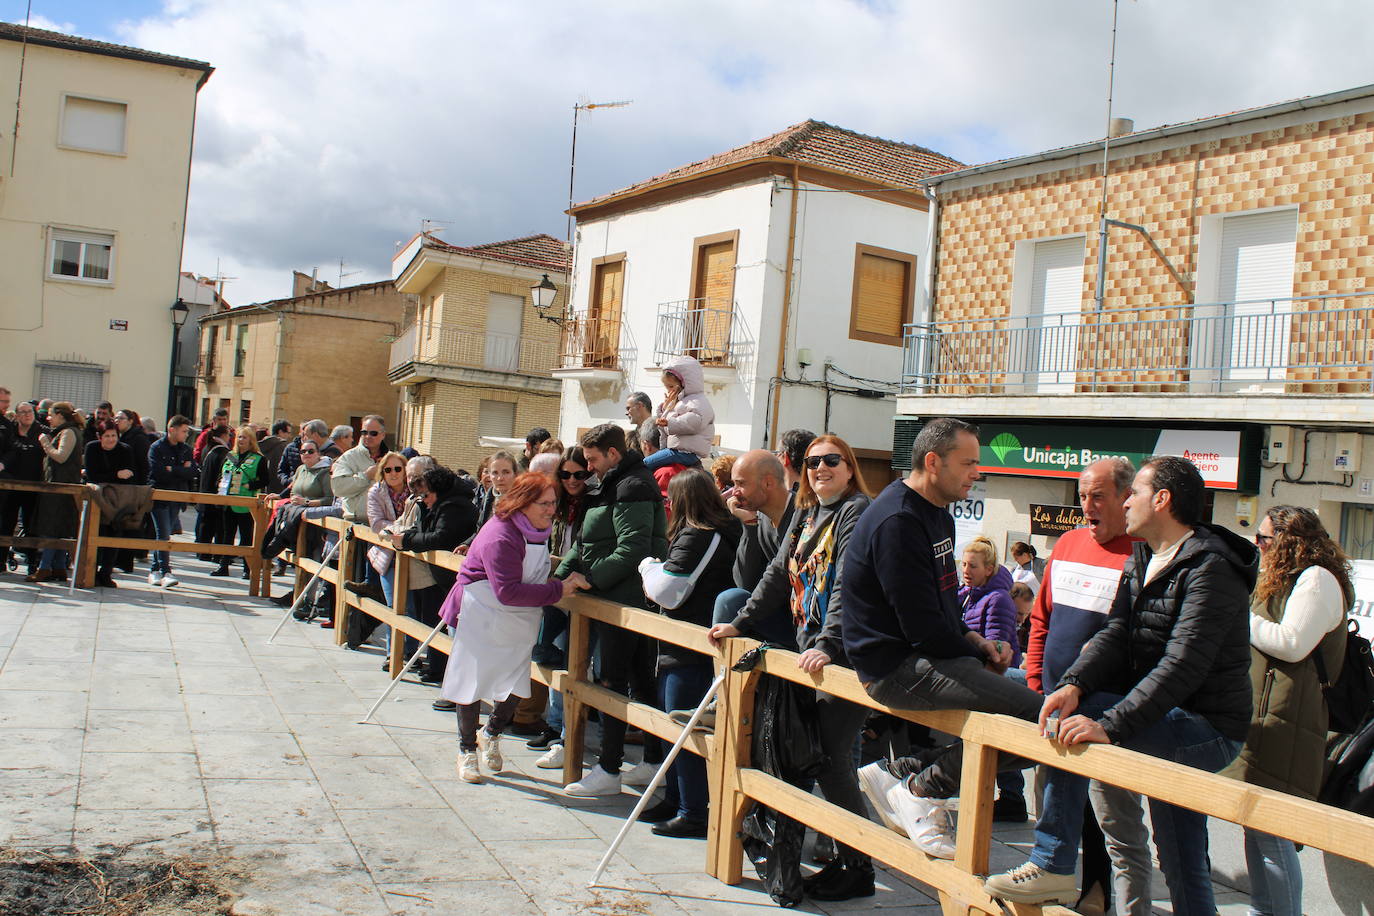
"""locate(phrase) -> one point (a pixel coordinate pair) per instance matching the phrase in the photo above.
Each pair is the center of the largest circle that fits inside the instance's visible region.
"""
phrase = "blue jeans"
(682, 687)
(164, 521)
(1012, 783)
(775, 629)
(1275, 875)
(1180, 834)
(666, 456)
(52, 559)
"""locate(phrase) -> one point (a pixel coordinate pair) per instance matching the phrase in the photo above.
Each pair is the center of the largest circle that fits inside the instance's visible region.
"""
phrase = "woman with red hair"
(495, 608)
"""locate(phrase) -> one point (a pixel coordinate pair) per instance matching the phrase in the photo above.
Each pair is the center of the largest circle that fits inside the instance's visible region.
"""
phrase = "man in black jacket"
(1168, 676)
(170, 467)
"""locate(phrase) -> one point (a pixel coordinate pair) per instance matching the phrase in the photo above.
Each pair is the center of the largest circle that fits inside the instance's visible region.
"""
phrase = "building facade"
(475, 360)
(320, 354)
(92, 215)
(1233, 323)
(787, 266)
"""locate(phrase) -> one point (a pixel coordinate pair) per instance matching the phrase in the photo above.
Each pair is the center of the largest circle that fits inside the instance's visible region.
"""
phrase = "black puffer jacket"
(685, 554)
(1183, 640)
(449, 522)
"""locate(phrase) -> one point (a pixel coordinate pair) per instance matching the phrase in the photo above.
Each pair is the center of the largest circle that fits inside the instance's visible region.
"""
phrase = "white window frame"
(58, 234)
(122, 152)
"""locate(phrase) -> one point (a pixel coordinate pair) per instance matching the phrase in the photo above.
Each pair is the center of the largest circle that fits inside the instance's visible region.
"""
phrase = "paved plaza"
(162, 718)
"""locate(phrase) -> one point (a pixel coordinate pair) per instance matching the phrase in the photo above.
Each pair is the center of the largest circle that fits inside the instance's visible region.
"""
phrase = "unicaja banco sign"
(1064, 451)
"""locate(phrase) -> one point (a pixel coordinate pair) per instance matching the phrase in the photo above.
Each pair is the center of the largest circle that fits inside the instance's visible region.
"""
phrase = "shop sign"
(1063, 451)
(1362, 612)
(1052, 521)
(968, 516)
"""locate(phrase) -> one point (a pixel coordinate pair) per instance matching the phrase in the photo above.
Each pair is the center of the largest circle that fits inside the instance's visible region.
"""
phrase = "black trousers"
(626, 663)
(14, 506)
(231, 523)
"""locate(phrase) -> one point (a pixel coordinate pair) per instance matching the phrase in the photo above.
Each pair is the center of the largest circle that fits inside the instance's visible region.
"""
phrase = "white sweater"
(1314, 608)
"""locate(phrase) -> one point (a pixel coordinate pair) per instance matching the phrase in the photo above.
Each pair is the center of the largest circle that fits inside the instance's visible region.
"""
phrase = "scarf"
(532, 534)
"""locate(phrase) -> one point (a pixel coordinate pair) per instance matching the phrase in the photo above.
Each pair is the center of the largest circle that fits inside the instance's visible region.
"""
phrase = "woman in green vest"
(245, 473)
(1298, 610)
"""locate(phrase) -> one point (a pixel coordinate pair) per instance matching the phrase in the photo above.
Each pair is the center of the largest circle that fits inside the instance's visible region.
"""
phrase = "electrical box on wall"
(1346, 458)
(1277, 444)
(1245, 510)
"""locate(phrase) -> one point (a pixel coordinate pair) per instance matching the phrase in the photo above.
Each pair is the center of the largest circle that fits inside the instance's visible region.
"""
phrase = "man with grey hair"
(340, 441)
(640, 409)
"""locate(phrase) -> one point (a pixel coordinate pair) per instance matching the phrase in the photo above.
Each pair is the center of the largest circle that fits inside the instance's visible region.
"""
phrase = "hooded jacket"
(989, 610)
(691, 421)
(1182, 641)
(443, 526)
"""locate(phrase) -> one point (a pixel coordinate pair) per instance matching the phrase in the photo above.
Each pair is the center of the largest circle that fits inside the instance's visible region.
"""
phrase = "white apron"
(492, 641)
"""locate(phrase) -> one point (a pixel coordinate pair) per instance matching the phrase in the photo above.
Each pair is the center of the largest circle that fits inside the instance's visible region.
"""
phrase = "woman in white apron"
(495, 608)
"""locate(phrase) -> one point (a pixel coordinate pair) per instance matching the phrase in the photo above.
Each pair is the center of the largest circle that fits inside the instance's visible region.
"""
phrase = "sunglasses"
(575, 475)
(831, 461)
(395, 470)
(372, 432)
(310, 451)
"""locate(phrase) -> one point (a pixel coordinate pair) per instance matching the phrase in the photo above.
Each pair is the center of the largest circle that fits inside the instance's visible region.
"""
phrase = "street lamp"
(180, 312)
(542, 295)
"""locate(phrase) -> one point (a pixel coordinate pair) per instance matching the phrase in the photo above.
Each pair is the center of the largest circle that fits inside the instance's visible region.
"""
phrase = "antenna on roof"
(220, 279)
(434, 225)
(343, 274)
(578, 108)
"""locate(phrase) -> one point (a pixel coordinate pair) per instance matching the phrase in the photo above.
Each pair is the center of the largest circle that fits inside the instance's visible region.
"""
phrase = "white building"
(787, 266)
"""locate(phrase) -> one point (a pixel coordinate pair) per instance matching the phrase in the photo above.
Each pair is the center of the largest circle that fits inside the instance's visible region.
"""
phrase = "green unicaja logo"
(1003, 445)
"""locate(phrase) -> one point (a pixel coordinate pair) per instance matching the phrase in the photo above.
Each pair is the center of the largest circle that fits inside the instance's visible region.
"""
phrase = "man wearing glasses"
(353, 473)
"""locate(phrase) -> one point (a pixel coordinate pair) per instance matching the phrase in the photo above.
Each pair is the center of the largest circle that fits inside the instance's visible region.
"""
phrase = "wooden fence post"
(83, 565)
(977, 791)
(574, 710)
(344, 557)
(302, 534)
(254, 561)
(400, 601)
(730, 751)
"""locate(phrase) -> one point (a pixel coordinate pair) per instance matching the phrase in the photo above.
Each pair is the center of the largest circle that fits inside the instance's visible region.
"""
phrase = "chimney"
(1120, 127)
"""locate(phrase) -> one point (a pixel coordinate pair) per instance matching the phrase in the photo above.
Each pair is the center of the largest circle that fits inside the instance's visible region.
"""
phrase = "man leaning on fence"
(170, 467)
(1169, 676)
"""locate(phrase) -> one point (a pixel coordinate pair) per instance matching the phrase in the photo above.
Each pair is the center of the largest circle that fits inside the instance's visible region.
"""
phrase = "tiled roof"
(884, 162)
(540, 251)
(11, 31)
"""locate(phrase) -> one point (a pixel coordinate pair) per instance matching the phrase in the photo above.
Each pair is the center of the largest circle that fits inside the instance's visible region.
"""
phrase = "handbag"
(1350, 698)
(670, 590)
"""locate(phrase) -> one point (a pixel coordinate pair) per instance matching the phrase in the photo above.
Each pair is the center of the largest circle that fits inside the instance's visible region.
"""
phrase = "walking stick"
(76, 563)
(404, 668)
(329, 555)
(658, 778)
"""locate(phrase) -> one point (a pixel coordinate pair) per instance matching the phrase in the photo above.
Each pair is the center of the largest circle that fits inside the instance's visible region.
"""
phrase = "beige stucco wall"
(138, 197)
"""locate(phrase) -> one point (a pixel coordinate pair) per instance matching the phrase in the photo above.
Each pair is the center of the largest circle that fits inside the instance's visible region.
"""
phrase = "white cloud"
(331, 128)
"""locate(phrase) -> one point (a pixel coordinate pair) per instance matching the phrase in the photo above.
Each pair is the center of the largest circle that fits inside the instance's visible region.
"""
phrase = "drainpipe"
(932, 251)
(786, 304)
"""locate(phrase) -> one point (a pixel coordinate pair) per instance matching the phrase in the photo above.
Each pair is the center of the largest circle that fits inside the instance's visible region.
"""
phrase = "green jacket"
(1286, 745)
(243, 475)
(623, 523)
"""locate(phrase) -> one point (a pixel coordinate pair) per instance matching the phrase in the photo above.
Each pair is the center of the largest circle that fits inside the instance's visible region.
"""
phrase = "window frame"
(123, 152)
(908, 295)
(82, 237)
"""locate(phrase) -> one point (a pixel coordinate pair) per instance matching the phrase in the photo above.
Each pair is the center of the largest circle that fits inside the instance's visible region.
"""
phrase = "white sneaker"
(875, 781)
(928, 821)
(155, 579)
(594, 785)
(552, 759)
(169, 580)
(639, 775)
(1029, 883)
(468, 770)
(491, 751)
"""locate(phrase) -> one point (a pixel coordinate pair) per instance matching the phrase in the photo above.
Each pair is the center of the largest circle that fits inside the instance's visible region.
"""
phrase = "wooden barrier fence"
(735, 784)
(83, 563)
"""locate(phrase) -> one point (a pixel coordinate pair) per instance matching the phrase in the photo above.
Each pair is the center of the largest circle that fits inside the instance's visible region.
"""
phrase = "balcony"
(205, 366)
(716, 336)
(432, 350)
(1280, 354)
(590, 349)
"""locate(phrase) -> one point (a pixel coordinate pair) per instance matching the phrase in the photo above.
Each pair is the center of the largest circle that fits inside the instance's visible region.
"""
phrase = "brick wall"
(1323, 168)
(442, 421)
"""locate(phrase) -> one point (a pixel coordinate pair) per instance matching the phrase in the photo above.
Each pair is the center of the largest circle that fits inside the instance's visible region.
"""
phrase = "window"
(93, 125)
(504, 315)
(81, 383)
(204, 411)
(245, 412)
(496, 418)
(81, 256)
(883, 294)
(240, 349)
(1357, 531)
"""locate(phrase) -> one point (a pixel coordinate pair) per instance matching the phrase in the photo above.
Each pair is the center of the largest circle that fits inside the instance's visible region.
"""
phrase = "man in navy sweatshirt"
(905, 635)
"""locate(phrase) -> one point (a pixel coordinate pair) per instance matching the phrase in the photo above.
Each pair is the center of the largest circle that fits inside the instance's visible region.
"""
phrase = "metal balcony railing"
(436, 344)
(590, 342)
(205, 365)
(713, 334)
(1316, 344)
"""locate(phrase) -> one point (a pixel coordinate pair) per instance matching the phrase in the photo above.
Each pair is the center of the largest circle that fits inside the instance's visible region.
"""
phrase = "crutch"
(658, 778)
(404, 668)
(329, 555)
(80, 541)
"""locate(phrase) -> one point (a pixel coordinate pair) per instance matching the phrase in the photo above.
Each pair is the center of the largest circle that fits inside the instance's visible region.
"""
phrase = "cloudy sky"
(332, 128)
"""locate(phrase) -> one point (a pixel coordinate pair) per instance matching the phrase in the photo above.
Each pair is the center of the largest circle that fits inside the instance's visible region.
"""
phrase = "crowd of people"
(1147, 627)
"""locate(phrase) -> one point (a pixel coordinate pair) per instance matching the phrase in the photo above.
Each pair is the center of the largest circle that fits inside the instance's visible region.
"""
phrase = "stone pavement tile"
(702, 893)
(9, 632)
(418, 845)
(140, 781)
(272, 811)
(340, 736)
(471, 898)
(315, 879)
(134, 639)
(299, 666)
(40, 752)
(201, 653)
(171, 830)
(42, 709)
(64, 628)
(37, 811)
(217, 632)
(44, 675)
(134, 692)
(434, 755)
(139, 731)
(650, 855)
(222, 681)
(214, 713)
(249, 755)
(374, 782)
(124, 663)
(304, 698)
(74, 648)
(496, 810)
(555, 873)
(50, 602)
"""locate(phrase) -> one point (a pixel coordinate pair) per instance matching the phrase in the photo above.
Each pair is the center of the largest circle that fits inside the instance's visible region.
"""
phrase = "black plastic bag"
(1349, 780)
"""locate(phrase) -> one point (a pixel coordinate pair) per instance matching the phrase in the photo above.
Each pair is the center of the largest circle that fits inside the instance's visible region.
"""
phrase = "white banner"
(968, 517)
(1363, 611)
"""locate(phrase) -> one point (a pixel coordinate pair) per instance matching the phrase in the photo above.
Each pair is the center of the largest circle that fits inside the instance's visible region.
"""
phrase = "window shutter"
(83, 386)
(496, 419)
(880, 306)
(93, 125)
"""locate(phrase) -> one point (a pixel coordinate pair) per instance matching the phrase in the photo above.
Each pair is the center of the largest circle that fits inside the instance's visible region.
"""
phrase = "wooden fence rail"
(735, 784)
